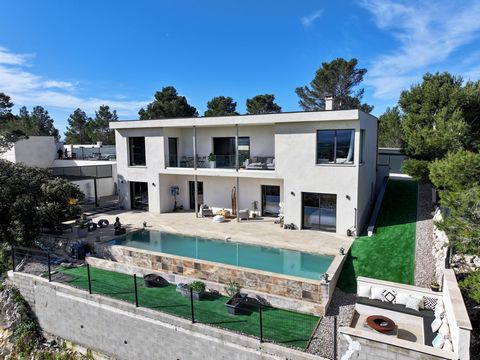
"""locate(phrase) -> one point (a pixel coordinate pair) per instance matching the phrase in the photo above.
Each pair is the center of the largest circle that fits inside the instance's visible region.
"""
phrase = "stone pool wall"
(262, 281)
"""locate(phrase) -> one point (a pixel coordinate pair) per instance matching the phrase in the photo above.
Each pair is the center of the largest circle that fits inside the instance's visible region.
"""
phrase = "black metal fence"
(257, 318)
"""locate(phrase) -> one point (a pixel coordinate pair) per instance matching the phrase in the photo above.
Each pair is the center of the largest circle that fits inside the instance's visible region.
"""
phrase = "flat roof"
(263, 119)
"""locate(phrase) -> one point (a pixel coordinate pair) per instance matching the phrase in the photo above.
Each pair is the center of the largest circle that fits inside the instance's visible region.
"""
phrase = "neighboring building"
(97, 151)
(321, 166)
(95, 177)
(393, 158)
(35, 151)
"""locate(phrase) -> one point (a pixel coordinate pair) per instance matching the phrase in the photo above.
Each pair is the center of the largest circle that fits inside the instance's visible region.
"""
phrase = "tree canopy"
(77, 129)
(262, 104)
(9, 133)
(98, 128)
(167, 104)
(221, 106)
(31, 198)
(390, 131)
(433, 121)
(339, 78)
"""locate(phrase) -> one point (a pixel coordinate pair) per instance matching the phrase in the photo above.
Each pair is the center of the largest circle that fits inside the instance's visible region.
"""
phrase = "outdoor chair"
(205, 211)
(243, 214)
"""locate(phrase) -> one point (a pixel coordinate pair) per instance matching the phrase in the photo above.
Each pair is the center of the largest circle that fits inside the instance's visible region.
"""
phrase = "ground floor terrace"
(249, 194)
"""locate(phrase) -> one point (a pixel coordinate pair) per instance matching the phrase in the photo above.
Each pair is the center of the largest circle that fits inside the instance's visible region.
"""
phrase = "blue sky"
(68, 54)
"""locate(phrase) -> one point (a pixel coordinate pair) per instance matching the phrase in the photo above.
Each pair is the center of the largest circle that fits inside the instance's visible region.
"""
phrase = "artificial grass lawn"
(281, 326)
(390, 253)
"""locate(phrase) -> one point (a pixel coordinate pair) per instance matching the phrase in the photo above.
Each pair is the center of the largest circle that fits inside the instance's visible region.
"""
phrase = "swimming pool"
(282, 261)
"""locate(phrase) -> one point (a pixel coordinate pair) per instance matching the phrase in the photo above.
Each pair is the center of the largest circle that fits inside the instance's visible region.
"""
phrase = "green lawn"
(281, 326)
(390, 253)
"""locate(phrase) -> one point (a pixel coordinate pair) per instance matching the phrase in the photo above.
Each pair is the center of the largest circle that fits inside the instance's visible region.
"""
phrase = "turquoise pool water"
(287, 262)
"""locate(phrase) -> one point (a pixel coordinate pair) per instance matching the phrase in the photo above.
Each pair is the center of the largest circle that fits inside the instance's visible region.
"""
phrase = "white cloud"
(427, 34)
(7, 57)
(310, 19)
(29, 89)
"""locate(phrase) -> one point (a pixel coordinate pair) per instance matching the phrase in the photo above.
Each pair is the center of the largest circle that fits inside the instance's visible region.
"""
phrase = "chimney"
(328, 102)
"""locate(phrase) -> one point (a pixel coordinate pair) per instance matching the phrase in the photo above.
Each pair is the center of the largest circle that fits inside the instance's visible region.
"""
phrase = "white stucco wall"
(295, 146)
(38, 151)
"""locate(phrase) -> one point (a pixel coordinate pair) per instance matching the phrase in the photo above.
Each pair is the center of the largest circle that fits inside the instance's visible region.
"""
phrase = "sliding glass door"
(319, 211)
(139, 195)
(270, 200)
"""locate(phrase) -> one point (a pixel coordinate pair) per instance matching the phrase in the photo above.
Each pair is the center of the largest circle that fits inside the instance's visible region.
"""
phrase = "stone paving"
(342, 306)
(424, 267)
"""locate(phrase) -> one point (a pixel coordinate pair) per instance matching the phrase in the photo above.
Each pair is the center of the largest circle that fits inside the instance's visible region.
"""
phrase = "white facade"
(38, 151)
(286, 142)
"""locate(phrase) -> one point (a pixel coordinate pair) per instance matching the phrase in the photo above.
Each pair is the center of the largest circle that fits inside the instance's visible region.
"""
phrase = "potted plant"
(212, 159)
(82, 229)
(435, 286)
(198, 290)
(255, 209)
(234, 304)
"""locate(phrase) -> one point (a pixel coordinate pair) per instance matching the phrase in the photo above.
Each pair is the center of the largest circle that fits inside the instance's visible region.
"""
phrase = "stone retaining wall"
(288, 286)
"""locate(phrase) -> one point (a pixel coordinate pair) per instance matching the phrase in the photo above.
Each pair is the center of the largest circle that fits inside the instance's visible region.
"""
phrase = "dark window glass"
(335, 146)
(139, 195)
(137, 151)
(325, 146)
(243, 148)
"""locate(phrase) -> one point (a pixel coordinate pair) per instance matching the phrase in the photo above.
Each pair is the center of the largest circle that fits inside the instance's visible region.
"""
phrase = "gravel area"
(424, 269)
(342, 306)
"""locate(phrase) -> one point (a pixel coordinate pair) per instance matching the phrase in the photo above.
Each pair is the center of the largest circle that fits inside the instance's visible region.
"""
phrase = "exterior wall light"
(292, 193)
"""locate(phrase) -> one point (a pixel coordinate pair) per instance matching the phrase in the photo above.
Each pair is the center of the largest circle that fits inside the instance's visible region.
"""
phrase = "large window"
(137, 151)
(139, 195)
(335, 146)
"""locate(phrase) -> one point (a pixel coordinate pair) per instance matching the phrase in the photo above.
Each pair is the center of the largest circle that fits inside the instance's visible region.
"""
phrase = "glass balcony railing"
(224, 162)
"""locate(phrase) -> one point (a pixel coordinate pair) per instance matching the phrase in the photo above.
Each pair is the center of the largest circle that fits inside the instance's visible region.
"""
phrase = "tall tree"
(433, 122)
(390, 131)
(263, 104)
(8, 133)
(340, 79)
(43, 123)
(167, 104)
(221, 106)
(98, 128)
(77, 129)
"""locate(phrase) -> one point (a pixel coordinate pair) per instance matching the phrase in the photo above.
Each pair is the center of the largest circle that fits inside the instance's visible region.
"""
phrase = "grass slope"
(390, 253)
(281, 326)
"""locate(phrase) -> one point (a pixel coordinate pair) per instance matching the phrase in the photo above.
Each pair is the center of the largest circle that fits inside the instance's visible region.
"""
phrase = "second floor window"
(137, 151)
(335, 146)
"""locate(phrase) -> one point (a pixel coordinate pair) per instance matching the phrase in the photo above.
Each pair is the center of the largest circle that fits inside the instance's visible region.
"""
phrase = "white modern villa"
(317, 169)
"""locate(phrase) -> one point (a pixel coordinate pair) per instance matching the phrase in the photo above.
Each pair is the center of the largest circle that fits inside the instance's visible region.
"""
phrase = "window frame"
(130, 151)
(334, 163)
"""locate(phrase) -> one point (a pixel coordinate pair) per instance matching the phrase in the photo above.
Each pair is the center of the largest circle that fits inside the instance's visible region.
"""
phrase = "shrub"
(232, 288)
(197, 286)
(471, 286)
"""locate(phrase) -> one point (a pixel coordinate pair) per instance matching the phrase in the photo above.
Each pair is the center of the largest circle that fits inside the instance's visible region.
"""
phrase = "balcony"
(223, 162)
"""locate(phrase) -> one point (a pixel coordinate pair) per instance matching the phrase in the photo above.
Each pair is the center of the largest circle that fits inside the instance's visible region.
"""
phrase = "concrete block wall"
(118, 329)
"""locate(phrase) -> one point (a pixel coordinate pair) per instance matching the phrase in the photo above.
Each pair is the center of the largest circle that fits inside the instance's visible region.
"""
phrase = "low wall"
(457, 316)
(121, 330)
(365, 345)
(263, 281)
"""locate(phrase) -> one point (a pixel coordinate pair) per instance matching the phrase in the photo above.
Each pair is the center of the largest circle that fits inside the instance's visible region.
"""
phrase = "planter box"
(236, 306)
(196, 295)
